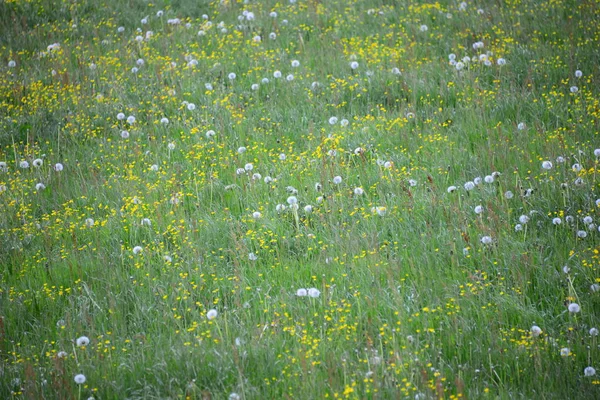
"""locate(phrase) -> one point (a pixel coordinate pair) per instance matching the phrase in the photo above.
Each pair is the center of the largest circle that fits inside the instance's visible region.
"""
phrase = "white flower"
(574, 89)
(574, 308)
(333, 120)
(280, 207)
(234, 396)
(210, 134)
(254, 86)
(79, 379)
(121, 29)
(256, 176)
(154, 167)
(131, 120)
(12, 64)
(565, 352)
(396, 71)
(308, 209)
(252, 257)
(521, 126)
(277, 74)
(344, 123)
(594, 332)
(38, 162)
(424, 28)
(536, 331)
(265, 81)
(412, 182)
(523, 219)
(451, 189)
(581, 234)
(518, 227)
(557, 221)
(256, 215)
(314, 292)
(272, 36)
(470, 185)
(508, 194)
(273, 14)
(120, 116)
(560, 159)
(24, 164)
(488, 179)
(289, 78)
(211, 314)
(486, 240)
(137, 249)
(478, 209)
(295, 63)
(337, 180)
(268, 179)
(301, 292)
(256, 39)
(82, 341)
(589, 371)
(292, 200)
(124, 134)
(171, 146)
(89, 222)
(164, 121)
(40, 186)
(547, 165)
(501, 61)
(588, 220)
(354, 65)
(191, 106)
(249, 167)
(58, 167)
(459, 65)
(594, 287)
(282, 157)
(231, 76)
(358, 191)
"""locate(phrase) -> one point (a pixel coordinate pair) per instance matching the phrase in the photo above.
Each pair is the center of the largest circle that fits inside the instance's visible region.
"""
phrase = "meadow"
(341, 199)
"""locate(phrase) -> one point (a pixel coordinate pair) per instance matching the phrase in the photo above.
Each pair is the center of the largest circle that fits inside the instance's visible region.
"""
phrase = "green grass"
(411, 303)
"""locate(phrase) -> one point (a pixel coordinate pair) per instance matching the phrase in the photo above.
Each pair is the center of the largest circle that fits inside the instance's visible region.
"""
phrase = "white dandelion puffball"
(295, 63)
(521, 126)
(557, 221)
(256, 215)
(358, 191)
(252, 257)
(231, 76)
(486, 240)
(423, 28)
(58, 167)
(40, 186)
(574, 308)
(574, 89)
(469, 185)
(38, 162)
(594, 331)
(131, 120)
(24, 164)
(211, 314)
(277, 74)
(89, 222)
(354, 65)
(589, 371)
(292, 200)
(191, 106)
(210, 134)
(301, 292)
(578, 74)
(137, 249)
(314, 292)
(565, 352)
(82, 341)
(79, 379)
(536, 331)
(547, 165)
(337, 180)
(451, 189)
(333, 120)
(478, 209)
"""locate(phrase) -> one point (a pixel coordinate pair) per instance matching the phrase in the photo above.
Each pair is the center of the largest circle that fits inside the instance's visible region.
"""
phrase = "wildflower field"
(275, 199)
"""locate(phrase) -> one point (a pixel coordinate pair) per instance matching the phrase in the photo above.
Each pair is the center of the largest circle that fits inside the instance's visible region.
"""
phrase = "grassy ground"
(343, 257)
